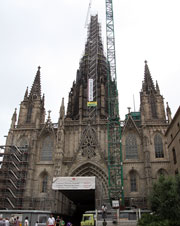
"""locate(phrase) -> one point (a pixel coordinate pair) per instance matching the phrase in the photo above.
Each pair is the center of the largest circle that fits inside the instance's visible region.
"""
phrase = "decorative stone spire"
(168, 112)
(36, 87)
(49, 116)
(152, 103)
(62, 110)
(157, 88)
(13, 119)
(26, 93)
(148, 85)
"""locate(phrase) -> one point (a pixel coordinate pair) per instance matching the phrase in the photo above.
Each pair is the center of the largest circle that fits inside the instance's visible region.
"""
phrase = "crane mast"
(115, 165)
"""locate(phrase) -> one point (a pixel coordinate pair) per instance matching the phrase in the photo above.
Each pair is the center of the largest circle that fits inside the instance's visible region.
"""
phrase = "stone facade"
(78, 146)
(173, 140)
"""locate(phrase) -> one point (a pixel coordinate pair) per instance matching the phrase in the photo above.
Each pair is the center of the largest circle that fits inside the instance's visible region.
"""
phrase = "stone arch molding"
(90, 169)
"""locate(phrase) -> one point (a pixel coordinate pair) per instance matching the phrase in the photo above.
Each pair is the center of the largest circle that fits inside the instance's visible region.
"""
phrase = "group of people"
(57, 222)
(12, 221)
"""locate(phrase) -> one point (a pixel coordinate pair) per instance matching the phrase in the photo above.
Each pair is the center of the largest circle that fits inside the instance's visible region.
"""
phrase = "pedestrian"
(69, 224)
(7, 222)
(17, 222)
(36, 224)
(11, 220)
(57, 221)
(104, 223)
(14, 224)
(104, 209)
(62, 223)
(26, 222)
(50, 221)
(2, 222)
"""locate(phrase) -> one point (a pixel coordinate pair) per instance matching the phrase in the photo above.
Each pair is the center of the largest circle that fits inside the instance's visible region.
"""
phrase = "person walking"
(17, 222)
(51, 221)
(26, 222)
(104, 209)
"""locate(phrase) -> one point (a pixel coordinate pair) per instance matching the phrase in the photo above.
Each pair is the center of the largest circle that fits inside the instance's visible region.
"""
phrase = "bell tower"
(152, 103)
(32, 112)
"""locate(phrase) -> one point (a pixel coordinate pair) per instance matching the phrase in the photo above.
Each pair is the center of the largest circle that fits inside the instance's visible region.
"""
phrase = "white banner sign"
(90, 89)
(73, 183)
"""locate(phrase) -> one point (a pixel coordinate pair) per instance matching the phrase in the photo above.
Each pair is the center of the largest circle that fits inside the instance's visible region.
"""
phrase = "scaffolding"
(115, 164)
(13, 176)
(92, 75)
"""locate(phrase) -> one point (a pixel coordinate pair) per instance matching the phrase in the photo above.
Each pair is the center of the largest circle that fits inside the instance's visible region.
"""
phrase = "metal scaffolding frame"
(13, 175)
(115, 165)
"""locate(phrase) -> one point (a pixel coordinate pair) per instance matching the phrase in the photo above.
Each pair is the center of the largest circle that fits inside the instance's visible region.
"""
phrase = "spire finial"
(49, 116)
(13, 119)
(39, 68)
(168, 112)
(145, 61)
(129, 110)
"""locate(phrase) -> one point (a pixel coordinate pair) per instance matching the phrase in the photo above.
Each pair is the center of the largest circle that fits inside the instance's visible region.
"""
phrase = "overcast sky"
(51, 33)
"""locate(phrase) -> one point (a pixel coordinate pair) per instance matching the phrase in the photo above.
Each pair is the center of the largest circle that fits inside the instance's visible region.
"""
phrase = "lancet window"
(47, 149)
(131, 147)
(158, 145)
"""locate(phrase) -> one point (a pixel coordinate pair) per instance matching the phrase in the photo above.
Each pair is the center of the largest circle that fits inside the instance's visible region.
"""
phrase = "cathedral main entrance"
(80, 190)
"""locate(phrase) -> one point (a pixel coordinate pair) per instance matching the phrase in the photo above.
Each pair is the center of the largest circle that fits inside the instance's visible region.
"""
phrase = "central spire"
(92, 70)
(93, 51)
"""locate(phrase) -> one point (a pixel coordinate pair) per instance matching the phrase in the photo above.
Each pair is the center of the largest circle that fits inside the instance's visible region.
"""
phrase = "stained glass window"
(131, 147)
(158, 145)
(47, 149)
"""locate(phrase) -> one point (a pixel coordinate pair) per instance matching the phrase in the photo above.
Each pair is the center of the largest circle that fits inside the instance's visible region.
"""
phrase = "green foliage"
(151, 220)
(165, 203)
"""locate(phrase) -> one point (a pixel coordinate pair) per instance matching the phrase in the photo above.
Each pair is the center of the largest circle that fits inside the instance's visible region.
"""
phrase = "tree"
(164, 201)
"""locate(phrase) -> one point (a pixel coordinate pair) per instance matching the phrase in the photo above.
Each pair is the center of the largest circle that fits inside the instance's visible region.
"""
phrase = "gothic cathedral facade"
(77, 146)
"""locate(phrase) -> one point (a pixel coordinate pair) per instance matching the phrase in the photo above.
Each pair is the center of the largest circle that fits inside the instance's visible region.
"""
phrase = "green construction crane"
(115, 164)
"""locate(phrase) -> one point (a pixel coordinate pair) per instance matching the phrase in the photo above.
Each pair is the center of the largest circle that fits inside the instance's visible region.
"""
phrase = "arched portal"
(90, 169)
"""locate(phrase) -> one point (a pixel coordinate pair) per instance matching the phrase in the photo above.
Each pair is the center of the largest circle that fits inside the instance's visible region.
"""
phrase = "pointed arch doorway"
(101, 183)
(85, 199)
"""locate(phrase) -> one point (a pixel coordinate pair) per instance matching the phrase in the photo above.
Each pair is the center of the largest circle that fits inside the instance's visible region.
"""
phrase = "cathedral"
(37, 150)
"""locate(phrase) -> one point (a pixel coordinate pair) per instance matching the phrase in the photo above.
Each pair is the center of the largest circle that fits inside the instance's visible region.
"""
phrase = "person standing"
(62, 223)
(17, 222)
(51, 221)
(2, 222)
(7, 222)
(26, 222)
(57, 221)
